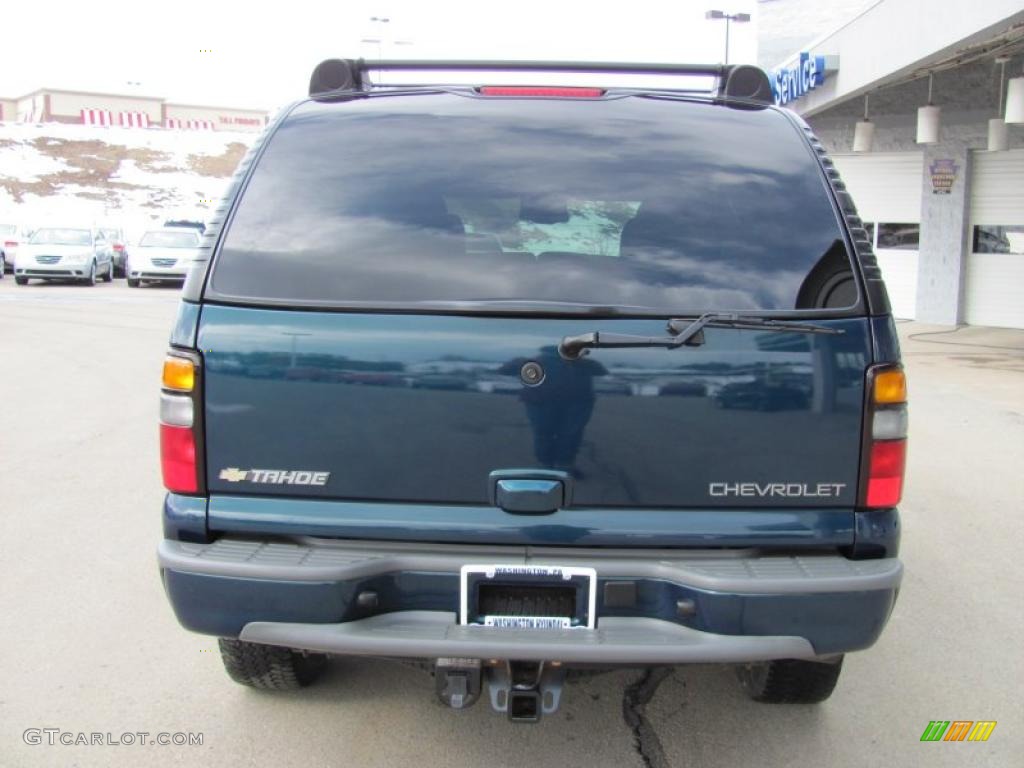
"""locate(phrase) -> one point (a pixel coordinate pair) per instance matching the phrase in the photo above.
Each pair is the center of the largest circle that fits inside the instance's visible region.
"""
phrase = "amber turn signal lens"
(890, 387)
(179, 374)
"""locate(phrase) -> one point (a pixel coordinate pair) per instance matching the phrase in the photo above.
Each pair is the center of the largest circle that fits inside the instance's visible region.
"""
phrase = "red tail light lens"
(556, 92)
(885, 475)
(10, 243)
(178, 459)
(885, 437)
(181, 448)
(118, 247)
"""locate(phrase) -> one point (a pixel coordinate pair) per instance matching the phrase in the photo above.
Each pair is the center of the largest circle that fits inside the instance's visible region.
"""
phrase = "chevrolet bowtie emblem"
(275, 476)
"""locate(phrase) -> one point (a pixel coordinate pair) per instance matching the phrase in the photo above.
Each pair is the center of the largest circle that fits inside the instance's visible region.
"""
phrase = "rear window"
(634, 203)
(161, 239)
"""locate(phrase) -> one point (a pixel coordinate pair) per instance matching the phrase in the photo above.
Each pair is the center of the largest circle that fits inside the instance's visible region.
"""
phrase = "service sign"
(791, 83)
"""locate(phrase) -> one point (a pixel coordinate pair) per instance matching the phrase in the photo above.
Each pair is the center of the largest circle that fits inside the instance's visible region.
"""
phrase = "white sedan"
(64, 253)
(161, 255)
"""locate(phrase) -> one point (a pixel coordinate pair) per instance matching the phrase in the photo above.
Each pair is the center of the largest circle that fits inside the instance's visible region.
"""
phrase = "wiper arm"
(687, 329)
(688, 333)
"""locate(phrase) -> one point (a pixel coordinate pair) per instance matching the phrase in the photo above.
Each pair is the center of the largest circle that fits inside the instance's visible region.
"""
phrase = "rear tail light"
(179, 374)
(10, 244)
(553, 92)
(885, 444)
(889, 386)
(885, 478)
(176, 410)
(178, 459)
(180, 428)
(118, 247)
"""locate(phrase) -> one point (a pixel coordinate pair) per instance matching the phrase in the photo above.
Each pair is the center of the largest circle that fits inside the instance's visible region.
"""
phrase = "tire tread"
(269, 667)
(793, 681)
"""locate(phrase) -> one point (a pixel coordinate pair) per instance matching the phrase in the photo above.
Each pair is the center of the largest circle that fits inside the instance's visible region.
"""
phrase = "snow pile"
(55, 173)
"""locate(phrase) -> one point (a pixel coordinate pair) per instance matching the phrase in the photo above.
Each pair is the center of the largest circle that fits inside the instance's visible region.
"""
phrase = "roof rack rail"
(739, 81)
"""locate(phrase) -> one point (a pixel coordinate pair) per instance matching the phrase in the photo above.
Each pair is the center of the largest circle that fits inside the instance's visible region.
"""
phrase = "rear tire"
(269, 667)
(790, 681)
(109, 277)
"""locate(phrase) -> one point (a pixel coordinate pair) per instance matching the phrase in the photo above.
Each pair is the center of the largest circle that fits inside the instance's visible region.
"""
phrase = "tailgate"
(422, 408)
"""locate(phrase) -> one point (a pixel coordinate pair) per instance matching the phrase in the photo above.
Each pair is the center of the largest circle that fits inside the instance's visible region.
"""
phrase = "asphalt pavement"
(88, 643)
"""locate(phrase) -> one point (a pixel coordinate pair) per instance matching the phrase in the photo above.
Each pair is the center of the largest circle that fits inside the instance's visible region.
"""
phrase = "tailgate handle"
(529, 492)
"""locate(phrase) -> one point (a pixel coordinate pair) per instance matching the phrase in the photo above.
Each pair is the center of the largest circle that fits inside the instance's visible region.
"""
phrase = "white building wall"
(994, 288)
(32, 108)
(222, 119)
(70, 105)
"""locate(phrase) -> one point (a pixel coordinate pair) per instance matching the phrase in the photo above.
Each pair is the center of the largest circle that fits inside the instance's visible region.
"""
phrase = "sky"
(784, 26)
(261, 55)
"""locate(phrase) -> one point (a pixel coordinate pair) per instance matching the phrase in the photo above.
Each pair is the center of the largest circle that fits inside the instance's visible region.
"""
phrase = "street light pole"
(381, 20)
(727, 20)
(295, 345)
(729, 17)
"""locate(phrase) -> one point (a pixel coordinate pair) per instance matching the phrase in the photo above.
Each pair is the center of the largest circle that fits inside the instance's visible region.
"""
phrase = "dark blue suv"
(521, 379)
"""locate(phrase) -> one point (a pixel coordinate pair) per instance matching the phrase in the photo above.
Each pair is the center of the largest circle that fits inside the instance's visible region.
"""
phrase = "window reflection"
(997, 238)
(439, 198)
(899, 237)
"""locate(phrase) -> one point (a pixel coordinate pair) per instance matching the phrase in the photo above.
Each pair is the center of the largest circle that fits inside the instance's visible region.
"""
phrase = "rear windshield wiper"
(684, 332)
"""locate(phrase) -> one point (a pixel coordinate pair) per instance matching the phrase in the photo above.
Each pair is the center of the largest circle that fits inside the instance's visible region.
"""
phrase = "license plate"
(528, 596)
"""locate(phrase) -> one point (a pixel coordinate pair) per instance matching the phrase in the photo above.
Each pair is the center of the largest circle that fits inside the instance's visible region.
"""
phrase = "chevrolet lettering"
(781, 490)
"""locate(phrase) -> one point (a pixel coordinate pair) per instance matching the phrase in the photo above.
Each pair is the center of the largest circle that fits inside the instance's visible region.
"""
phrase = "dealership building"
(921, 106)
(50, 105)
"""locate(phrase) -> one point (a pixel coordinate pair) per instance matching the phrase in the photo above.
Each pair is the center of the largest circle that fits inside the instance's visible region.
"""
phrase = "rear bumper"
(617, 640)
(687, 607)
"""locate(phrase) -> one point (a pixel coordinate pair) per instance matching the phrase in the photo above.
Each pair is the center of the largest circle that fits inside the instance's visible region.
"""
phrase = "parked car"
(161, 255)
(78, 253)
(8, 245)
(504, 540)
(762, 396)
(684, 388)
(115, 236)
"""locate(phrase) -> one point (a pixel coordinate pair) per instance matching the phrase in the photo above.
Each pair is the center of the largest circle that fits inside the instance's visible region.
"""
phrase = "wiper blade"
(689, 328)
(688, 333)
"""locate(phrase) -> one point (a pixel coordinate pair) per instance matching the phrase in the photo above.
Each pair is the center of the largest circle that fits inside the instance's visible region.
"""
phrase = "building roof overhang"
(895, 41)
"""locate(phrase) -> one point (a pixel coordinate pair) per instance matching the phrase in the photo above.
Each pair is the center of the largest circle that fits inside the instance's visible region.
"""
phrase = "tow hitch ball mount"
(524, 690)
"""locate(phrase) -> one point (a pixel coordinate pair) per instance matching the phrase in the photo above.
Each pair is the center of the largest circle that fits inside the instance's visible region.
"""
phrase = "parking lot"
(90, 644)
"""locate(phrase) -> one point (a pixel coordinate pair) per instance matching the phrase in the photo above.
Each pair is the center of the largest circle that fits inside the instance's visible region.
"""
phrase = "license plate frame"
(583, 578)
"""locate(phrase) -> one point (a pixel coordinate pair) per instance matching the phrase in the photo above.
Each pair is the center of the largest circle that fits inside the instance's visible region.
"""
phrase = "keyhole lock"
(532, 374)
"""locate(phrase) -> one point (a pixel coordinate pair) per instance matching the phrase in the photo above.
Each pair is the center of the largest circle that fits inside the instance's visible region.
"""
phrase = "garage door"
(886, 186)
(995, 267)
